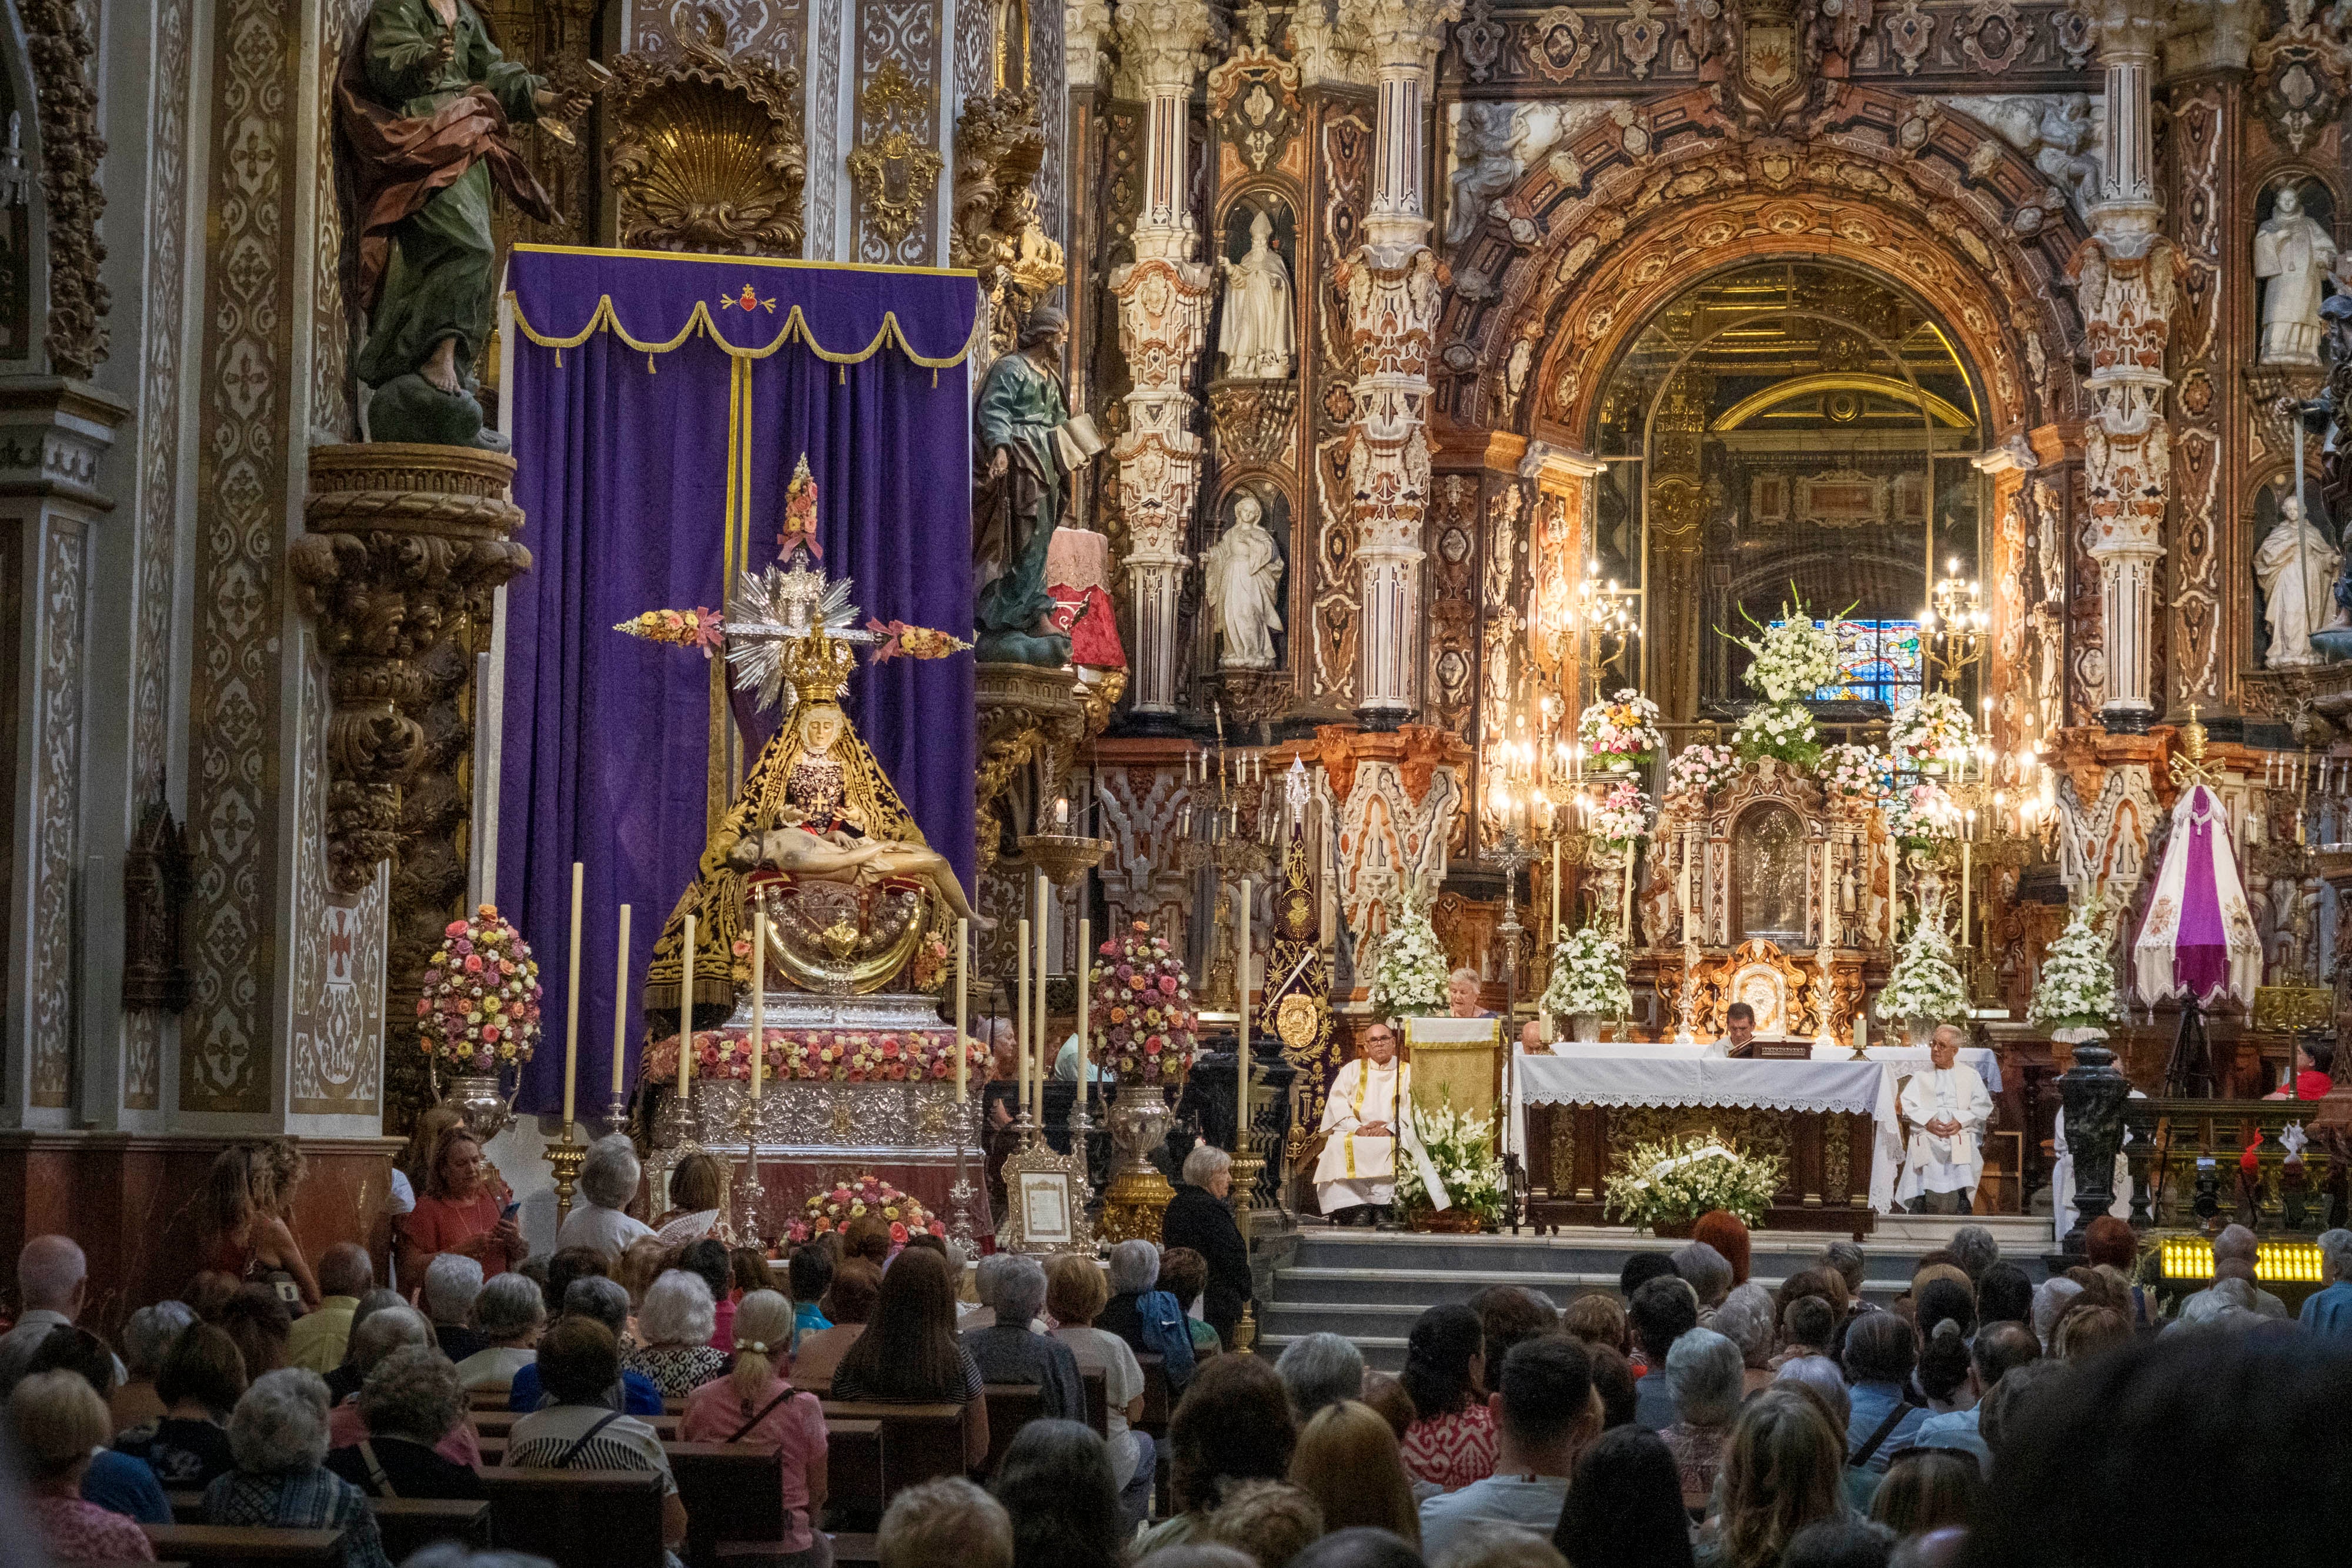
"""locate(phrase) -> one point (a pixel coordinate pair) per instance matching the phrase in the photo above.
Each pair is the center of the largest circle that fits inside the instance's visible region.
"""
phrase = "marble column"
(1393, 284)
(2124, 279)
(1164, 298)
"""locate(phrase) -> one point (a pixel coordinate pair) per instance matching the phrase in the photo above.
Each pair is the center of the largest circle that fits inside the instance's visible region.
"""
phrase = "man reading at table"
(1947, 1108)
(1355, 1178)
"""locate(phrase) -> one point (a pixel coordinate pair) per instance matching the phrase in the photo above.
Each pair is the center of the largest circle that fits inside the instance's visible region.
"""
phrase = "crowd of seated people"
(1689, 1418)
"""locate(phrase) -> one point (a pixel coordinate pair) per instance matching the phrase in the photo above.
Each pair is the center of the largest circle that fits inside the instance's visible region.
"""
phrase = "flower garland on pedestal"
(1856, 775)
(480, 1011)
(1587, 976)
(1621, 731)
(1622, 816)
(1698, 771)
(2075, 996)
(1674, 1181)
(1409, 968)
(1781, 730)
(1142, 1028)
(822, 1056)
(1462, 1149)
(1924, 983)
(827, 1210)
(1920, 815)
(1929, 731)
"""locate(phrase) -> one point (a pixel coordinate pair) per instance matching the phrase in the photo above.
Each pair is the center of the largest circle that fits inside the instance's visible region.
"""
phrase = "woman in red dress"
(248, 1194)
(459, 1211)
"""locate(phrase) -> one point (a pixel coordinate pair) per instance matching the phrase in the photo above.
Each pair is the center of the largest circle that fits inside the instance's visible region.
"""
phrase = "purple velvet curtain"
(623, 469)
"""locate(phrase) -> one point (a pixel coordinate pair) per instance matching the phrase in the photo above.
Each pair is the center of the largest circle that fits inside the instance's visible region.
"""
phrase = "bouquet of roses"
(1698, 771)
(479, 1009)
(827, 1210)
(822, 1056)
(1920, 814)
(1924, 984)
(1588, 975)
(1409, 968)
(1143, 1015)
(1794, 658)
(1782, 730)
(2076, 990)
(1622, 732)
(1931, 729)
(1622, 816)
(1860, 773)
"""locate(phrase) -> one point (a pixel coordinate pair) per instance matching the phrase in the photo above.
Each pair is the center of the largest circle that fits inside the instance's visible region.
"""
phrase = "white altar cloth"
(1907, 1059)
(1638, 1074)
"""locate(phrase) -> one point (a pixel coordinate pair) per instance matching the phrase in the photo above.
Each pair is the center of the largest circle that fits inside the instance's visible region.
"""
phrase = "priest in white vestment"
(1355, 1179)
(1947, 1108)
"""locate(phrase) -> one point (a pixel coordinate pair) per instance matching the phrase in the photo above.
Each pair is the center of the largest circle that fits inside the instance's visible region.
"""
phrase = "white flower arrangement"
(1782, 730)
(1698, 771)
(1588, 975)
(2076, 989)
(1919, 814)
(1409, 968)
(1861, 773)
(1622, 815)
(1462, 1149)
(1930, 729)
(1674, 1181)
(1621, 731)
(1794, 657)
(1924, 984)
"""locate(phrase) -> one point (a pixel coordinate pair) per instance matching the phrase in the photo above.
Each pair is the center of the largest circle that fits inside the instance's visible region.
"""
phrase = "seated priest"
(1947, 1108)
(1355, 1178)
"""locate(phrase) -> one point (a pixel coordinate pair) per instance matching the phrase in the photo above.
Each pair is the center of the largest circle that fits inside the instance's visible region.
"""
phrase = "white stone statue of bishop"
(2296, 566)
(1245, 588)
(2291, 254)
(1256, 336)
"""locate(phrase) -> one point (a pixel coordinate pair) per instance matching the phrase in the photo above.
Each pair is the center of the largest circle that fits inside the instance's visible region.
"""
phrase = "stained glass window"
(1878, 660)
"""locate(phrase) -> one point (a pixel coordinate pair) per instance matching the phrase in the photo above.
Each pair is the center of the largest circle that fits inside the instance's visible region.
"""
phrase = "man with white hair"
(1011, 1351)
(608, 1181)
(53, 1279)
(452, 1281)
(2233, 1258)
(1947, 1108)
(2329, 1311)
(1319, 1370)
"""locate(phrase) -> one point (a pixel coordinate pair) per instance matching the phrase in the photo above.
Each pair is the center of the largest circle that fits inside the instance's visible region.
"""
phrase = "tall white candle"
(620, 1011)
(1044, 1050)
(571, 1005)
(758, 996)
(686, 1016)
(1021, 1015)
(1242, 1056)
(1084, 963)
(963, 946)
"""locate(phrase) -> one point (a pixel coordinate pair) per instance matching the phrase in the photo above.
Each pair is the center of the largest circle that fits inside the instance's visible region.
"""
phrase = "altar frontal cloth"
(659, 405)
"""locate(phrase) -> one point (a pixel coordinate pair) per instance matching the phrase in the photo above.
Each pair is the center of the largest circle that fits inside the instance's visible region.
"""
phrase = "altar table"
(1835, 1123)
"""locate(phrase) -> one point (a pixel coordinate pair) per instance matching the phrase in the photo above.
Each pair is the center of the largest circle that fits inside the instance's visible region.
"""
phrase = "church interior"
(1529, 620)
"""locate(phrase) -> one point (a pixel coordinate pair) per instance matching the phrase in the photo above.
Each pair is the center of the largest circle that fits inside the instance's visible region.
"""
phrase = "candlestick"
(1555, 892)
(1628, 917)
(1965, 848)
(1021, 1015)
(963, 946)
(620, 1011)
(686, 1014)
(571, 1005)
(1045, 1050)
(1085, 949)
(759, 994)
(1241, 1066)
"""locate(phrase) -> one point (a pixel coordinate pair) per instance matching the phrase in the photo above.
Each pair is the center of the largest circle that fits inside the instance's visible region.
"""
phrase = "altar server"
(1355, 1179)
(1947, 1108)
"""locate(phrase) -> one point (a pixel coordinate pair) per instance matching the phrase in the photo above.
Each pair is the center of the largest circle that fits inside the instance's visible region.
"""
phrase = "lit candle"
(1044, 1051)
(1555, 891)
(1062, 814)
(1628, 927)
(1020, 1016)
(963, 946)
(571, 1005)
(1965, 847)
(759, 994)
(620, 1011)
(685, 1015)
(1085, 964)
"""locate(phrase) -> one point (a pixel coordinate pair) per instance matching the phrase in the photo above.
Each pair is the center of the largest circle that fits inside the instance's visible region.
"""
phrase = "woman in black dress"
(1198, 1217)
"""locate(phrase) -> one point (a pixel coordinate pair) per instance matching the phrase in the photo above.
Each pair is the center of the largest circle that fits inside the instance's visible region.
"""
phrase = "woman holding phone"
(459, 1211)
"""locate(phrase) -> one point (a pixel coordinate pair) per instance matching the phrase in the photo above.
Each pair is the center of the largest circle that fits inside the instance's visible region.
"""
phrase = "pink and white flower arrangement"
(1930, 731)
(1698, 771)
(1921, 812)
(479, 1010)
(1142, 1023)
(829, 1208)
(822, 1056)
(1861, 773)
(1621, 730)
(1622, 815)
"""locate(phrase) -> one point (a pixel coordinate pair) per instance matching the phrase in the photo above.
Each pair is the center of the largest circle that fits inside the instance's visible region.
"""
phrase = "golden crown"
(819, 666)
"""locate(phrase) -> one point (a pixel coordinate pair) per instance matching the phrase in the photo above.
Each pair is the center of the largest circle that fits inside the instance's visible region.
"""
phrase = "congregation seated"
(1508, 1314)
(59, 1422)
(1597, 1317)
(1317, 1371)
(1059, 1491)
(372, 1343)
(278, 1435)
(1706, 1375)
(1268, 1522)
(1624, 1505)
(808, 1274)
(1184, 1274)
(507, 1318)
(1348, 1461)
(755, 1403)
(1999, 1349)
(113, 1480)
(409, 1405)
(1075, 1294)
(1544, 1412)
(318, 1337)
(345, 1379)
(568, 1264)
(848, 1303)
(908, 1354)
(1746, 1320)
(1928, 1489)
(698, 1185)
(1011, 1349)
(202, 1380)
(1150, 1319)
(147, 1338)
(1881, 1353)
(595, 1297)
(2234, 1260)
(1233, 1423)
(608, 1185)
(1661, 1311)
(1451, 1442)
(1783, 1469)
(945, 1524)
(709, 1261)
(673, 1327)
(53, 1284)
(259, 1323)
(451, 1284)
(579, 1363)
(1708, 1273)
(2328, 1311)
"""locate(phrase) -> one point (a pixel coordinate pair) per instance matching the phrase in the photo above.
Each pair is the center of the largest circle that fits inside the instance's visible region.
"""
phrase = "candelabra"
(1952, 629)
(750, 1193)
(1065, 859)
(1597, 612)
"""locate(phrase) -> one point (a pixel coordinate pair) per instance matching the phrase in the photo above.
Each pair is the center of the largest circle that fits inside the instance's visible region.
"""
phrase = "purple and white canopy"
(2198, 937)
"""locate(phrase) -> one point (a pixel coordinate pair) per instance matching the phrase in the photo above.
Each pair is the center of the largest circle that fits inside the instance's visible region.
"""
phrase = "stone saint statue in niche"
(1245, 588)
(2296, 566)
(427, 105)
(1255, 338)
(2292, 254)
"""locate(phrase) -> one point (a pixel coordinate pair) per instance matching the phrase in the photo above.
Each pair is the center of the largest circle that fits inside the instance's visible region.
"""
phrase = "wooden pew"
(410, 1523)
(496, 1426)
(1097, 1399)
(732, 1492)
(578, 1519)
(1157, 1404)
(920, 1442)
(228, 1545)
(1010, 1406)
(853, 1473)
